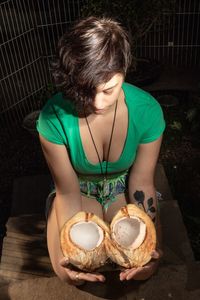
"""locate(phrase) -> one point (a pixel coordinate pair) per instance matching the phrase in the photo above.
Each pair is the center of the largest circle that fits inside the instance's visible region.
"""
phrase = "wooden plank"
(34, 243)
(10, 247)
(27, 225)
(25, 237)
(6, 280)
(24, 253)
(25, 266)
(25, 256)
(10, 275)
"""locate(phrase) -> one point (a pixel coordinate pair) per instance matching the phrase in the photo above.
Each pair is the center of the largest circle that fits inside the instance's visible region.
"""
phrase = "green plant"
(176, 125)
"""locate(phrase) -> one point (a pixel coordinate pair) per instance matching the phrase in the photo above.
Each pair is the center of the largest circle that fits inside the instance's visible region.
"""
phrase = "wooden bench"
(25, 257)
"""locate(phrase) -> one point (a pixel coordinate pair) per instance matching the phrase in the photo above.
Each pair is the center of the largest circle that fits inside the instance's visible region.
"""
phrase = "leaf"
(150, 202)
(191, 114)
(139, 196)
(176, 125)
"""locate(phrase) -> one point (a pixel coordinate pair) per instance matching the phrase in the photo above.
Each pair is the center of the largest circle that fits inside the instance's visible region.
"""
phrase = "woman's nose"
(99, 101)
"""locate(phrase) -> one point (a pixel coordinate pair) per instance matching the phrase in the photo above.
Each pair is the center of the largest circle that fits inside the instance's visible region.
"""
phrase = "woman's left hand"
(143, 273)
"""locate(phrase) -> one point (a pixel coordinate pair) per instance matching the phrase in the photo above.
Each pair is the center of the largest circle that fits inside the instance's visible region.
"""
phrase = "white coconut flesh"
(129, 232)
(87, 235)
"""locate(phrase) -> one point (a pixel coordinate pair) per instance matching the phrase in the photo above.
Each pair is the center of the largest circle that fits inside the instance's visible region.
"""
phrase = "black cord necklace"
(105, 188)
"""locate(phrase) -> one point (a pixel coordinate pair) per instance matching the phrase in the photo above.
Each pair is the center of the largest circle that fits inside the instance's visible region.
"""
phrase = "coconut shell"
(128, 257)
(86, 260)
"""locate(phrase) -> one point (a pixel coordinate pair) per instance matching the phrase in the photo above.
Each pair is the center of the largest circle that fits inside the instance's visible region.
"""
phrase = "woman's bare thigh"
(92, 205)
(114, 207)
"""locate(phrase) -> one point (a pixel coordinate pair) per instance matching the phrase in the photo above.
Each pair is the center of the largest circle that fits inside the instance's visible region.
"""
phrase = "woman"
(100, 136)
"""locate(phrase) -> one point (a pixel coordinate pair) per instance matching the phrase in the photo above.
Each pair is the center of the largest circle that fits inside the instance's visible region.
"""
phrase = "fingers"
(156, 254)
(130, 273)
(91, 277)
(140, 273)
(64, 262)
(82, 276)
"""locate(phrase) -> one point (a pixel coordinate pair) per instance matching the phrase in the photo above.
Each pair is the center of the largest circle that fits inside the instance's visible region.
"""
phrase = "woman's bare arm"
(142, 192)
(141, 181)
(68, 197)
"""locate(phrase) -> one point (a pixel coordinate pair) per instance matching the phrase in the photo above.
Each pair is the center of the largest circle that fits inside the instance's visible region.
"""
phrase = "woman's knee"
(92, 205)
(61, 273)
(115, 207)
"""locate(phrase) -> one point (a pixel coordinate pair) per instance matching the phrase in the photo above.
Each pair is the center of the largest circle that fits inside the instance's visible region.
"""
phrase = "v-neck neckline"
(110, 163)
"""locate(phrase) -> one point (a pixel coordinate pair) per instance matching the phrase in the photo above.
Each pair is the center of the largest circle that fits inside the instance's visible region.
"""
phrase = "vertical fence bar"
(187, 48)
(192, 36)
(173, 39)
(183, 34)
(197, 41)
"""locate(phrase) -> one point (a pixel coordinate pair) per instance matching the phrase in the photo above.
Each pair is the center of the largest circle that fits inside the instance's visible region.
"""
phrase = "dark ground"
(180, 156)
(21, 156)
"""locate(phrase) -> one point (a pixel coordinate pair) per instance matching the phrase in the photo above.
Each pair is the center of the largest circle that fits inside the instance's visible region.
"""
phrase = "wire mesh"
(175, 39)
(29, 32)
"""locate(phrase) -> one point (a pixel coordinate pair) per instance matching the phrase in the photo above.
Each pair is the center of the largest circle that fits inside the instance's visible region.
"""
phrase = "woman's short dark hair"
(89, 54)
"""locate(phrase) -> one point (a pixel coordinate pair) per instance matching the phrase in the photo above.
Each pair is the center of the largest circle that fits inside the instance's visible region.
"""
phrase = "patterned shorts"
(104, 192)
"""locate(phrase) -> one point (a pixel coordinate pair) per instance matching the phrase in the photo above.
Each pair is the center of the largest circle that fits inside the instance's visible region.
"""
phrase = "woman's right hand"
(78, 277)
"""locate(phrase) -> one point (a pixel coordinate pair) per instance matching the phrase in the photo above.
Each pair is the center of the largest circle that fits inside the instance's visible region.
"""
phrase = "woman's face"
(107, 94)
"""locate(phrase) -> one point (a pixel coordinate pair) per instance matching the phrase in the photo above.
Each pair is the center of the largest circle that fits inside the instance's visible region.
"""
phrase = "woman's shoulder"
(57, 104)
(145, 113)
(55, 118)
(137, 96)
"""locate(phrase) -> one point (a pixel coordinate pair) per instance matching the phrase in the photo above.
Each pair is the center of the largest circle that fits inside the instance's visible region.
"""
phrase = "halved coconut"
(83, 240)
(133, 237)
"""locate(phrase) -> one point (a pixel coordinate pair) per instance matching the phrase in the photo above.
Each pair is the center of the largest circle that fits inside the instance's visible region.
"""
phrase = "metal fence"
(176, 38)
(30, 29)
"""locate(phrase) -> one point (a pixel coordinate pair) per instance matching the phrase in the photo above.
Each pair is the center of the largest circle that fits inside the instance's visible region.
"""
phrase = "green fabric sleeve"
(49, 127)
(154, 122)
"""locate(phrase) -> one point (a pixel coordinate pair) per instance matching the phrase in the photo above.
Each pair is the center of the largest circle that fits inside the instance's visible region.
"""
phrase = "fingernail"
(102, 279)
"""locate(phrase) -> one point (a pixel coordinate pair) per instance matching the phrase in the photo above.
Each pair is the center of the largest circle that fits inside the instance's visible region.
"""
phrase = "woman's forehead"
(115, 80)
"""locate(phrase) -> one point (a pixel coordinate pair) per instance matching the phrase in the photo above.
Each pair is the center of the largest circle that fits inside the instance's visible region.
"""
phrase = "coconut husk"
(126, 256)
(86, 260)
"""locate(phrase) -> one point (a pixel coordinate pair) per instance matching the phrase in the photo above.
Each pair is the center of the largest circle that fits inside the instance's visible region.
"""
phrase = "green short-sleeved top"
(58, 123)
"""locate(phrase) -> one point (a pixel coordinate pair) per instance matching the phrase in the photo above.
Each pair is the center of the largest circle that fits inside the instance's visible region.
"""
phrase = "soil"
(21, 155)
